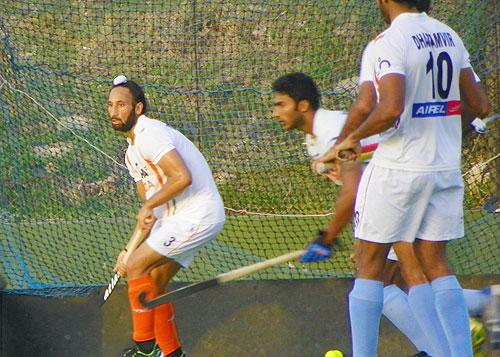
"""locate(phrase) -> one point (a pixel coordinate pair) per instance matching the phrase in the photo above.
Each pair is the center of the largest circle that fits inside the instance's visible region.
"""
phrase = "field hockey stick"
(479, 126)
(494, 117)
(136, 240)
(218, 280)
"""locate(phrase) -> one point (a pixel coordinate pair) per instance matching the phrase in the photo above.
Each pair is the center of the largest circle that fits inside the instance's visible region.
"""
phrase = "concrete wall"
(255, 318)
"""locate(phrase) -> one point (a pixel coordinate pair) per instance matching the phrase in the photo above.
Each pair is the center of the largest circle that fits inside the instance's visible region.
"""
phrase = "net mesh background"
(67, 204)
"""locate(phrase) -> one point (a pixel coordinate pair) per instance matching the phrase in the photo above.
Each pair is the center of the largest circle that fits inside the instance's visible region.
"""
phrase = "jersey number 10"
(442, 88)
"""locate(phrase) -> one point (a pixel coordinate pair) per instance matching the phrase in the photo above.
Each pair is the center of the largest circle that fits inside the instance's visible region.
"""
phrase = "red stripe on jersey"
(369, 147)
(160, 180)
(155, 170)
(454, 107)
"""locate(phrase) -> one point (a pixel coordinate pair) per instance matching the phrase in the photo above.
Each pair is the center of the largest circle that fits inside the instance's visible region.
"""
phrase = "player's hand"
(318, 250)
(145, 218)
(120, 266)
(334, 174)
(348, 149)
(329, 157)
(479, 126)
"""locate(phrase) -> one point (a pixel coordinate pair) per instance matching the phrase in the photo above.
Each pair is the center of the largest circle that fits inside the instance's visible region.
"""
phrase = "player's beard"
(127, 125)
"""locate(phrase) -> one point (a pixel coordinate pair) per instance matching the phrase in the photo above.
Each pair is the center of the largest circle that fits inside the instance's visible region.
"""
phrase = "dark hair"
(421, 5)
(299, 86)
(137, 93)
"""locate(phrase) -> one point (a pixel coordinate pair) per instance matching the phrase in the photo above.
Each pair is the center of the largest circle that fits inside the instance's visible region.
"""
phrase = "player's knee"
(370, 267)
(435, 266)
(135, 268)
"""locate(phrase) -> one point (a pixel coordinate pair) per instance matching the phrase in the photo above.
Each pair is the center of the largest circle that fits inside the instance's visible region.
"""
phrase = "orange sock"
(142, 318)
(165, 330)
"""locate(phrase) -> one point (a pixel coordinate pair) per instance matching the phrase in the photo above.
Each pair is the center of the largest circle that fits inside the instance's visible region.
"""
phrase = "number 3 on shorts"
(169, 242)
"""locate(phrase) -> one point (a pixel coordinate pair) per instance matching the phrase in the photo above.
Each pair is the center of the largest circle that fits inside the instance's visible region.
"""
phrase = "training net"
(67, 202)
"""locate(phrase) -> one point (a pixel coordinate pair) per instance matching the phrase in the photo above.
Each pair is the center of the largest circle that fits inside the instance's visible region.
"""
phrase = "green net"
(67, 203)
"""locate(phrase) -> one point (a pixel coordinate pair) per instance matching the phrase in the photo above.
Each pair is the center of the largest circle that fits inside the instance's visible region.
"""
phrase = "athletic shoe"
(491, 316)
(478, 335)
(135, 352)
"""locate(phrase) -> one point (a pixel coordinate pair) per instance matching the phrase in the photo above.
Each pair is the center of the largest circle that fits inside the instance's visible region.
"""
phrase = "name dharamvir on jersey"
(435, 40)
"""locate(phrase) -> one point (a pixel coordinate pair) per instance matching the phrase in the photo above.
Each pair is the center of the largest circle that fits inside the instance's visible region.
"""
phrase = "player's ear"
(303, 105)
(139, 107)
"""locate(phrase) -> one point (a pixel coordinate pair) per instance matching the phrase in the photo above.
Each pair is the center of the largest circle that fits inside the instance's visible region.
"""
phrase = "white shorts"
(179, 239)
(396, 205)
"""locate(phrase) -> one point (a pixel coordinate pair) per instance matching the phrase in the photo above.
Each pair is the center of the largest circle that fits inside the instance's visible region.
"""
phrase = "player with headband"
(181, 207)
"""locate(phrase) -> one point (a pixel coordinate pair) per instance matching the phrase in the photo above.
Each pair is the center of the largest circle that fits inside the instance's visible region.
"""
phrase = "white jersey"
(367, 70)
(327, 125)
(200, 202)
(427, 136)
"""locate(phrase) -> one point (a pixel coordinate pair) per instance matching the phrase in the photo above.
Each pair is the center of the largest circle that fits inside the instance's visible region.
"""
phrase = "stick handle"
(219, 279)
(250, 269)
(494, 117)
(134, 243)
(322, 167)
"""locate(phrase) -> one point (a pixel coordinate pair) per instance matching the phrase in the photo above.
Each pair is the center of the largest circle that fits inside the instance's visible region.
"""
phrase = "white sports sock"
(421, 301)
(397, 310)
(452, 311)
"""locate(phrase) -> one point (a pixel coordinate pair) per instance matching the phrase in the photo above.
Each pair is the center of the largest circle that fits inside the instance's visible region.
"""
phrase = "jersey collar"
(409, 15)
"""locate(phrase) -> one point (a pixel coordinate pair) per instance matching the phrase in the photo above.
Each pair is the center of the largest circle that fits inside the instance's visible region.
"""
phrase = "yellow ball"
(334, 353)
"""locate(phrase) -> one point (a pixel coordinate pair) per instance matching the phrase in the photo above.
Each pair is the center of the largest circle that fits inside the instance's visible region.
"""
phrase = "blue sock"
(397, 310)
(421, 301)
(476, 300)
(365, 308)
(452, 311)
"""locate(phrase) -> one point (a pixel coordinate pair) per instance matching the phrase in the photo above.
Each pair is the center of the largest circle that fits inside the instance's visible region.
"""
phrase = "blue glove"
(318, 250)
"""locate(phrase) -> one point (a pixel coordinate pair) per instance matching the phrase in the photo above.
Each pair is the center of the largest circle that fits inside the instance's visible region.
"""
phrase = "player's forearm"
(341, 217)
(381, 119)
(475, 101)
(174, 186)
(467, 118)
(141, 191)
(362, 107)
(354, 120)
(351, 174)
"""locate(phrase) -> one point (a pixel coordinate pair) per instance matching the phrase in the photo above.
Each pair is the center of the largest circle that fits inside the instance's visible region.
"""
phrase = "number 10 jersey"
(430, 55)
